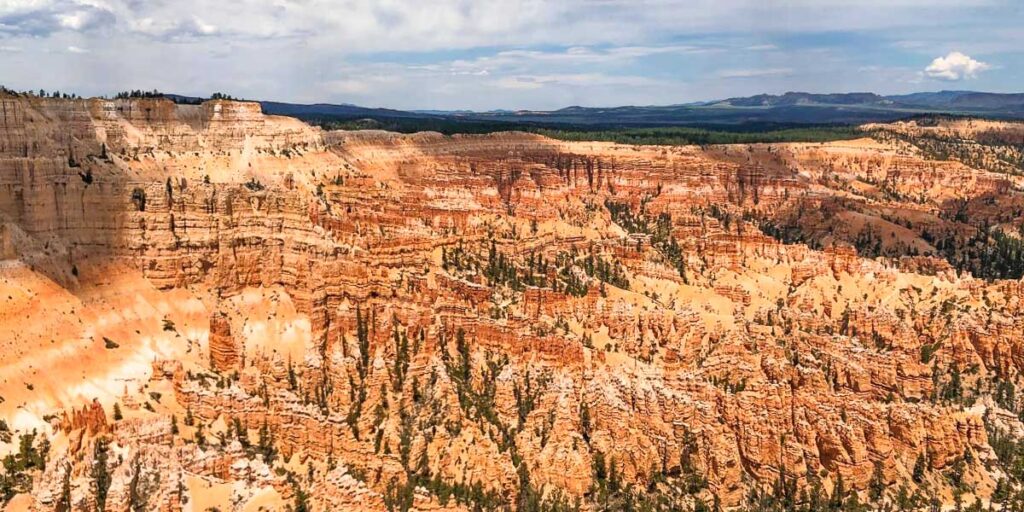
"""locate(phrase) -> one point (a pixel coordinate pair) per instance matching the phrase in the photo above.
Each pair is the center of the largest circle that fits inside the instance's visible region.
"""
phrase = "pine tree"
(876, 487)
(836, 500)
(64, 502)
(919, 469)
(585, 421)
(266, 443)
(292, 382)
(100, 474)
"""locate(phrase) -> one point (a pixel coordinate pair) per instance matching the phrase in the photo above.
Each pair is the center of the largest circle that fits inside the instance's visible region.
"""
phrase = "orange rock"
(224, 351)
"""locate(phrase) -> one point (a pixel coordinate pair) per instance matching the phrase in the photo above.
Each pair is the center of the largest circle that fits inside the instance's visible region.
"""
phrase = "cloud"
(203, 28)
(364, 84)
(41, 18)
(73, 21)
(409, 25)
(76, 49)
(755, 73)
(518, 61)
(955, 66)
(173, 30)
(586, 55)
(518, 82)
(496, 54)
(575, 79)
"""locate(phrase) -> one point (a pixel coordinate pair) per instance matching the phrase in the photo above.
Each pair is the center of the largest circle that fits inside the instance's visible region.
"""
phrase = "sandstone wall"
(757, 359)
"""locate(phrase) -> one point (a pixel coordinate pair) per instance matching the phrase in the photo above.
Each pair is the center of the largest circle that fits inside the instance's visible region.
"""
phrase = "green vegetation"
(447, 126)
(64, 502)
(301, 503)
(990, 254)
(478, 404)
(997, 150)
(660, 230)
(501, 270)
(667, 135)
(682, 135)
(362, 366)
(401, 364)
(138, 498)
(139, 199)
(18, 466)
(1009, 451)
(101, 476)
(41, 93)
(969, 244)
(254, 185)
(137, 93)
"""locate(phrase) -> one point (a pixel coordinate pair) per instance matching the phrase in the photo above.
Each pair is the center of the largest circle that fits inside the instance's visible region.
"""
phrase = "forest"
(664, 136)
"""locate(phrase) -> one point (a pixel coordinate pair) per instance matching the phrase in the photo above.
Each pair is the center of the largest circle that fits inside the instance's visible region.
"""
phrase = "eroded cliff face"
(366, 320)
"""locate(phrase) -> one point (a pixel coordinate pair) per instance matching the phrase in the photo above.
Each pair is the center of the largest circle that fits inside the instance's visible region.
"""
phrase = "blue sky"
(512, 54)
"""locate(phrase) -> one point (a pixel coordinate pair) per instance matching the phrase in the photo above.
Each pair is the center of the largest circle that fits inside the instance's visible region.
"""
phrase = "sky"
(510, 54)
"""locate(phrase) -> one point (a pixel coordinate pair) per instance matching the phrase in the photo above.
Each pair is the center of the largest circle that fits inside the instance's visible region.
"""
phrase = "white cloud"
(204, 28)
(517, 82)
(482, 72)
(526, 61)
(578, 79)
(73, 21)
(755, 73)
(493, 54)
(171, 29)
(572, 79)
(411, 25)
(955, 66)
(76, 49)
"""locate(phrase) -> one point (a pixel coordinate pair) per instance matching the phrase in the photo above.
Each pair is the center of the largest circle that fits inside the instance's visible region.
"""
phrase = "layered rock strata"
(444, 322)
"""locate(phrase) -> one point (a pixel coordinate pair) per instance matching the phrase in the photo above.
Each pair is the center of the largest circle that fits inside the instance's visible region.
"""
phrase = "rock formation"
(224, 352)
(483, 321)
(6, 245)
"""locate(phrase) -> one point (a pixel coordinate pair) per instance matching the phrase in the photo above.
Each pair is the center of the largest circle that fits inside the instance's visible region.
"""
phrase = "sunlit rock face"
(207, 307)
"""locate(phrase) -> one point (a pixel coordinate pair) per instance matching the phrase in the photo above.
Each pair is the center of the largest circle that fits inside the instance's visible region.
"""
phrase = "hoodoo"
(208, 307)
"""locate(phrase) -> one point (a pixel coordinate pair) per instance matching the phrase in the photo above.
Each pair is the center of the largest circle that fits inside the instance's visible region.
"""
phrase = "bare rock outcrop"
(442, 322)
(225, 354)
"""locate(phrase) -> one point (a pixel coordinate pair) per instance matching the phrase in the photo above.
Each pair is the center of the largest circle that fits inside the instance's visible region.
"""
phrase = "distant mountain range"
(791, 108)
(331, 110)
(947, 100)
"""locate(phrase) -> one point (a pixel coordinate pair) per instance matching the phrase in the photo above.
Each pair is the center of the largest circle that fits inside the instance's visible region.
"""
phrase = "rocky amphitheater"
(203, 307)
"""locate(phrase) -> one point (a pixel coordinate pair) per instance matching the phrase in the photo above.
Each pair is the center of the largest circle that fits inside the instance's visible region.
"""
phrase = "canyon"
(206, 307)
